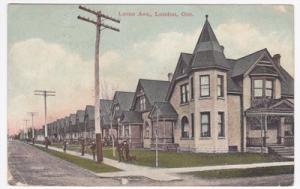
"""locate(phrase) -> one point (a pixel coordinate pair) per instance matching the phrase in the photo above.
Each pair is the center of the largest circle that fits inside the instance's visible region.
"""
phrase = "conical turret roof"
(208, 52)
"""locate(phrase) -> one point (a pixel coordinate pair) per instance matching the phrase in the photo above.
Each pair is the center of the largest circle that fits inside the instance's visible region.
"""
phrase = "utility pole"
(45, 94)
(99, 27)
(32, 126)
(25, 129)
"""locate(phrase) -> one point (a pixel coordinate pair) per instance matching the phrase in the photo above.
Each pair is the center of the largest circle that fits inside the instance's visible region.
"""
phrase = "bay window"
(204, 86)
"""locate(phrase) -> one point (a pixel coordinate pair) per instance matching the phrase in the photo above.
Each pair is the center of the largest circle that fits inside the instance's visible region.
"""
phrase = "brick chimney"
(276, 59)
(170, 76)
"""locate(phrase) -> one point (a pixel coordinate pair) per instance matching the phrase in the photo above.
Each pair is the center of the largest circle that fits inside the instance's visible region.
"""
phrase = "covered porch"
(163, 117)
(271, 126)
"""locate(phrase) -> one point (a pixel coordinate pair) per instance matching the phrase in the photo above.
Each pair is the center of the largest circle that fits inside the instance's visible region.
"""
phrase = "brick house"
(230, 104)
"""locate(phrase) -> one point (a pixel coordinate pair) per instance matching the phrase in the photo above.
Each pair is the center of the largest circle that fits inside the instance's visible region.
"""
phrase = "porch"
(272, 126)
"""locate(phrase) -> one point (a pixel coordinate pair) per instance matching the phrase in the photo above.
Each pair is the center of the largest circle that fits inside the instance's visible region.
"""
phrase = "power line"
(99, 25)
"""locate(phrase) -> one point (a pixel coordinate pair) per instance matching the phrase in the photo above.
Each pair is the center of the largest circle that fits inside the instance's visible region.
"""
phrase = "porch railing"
(162, 140)
(289, 140)
(256, 141)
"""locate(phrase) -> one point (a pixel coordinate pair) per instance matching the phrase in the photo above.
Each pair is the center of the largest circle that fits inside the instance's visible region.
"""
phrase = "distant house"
(89, 121)
(121, 102)
(106, 119)
(73, 128)
(80, 126)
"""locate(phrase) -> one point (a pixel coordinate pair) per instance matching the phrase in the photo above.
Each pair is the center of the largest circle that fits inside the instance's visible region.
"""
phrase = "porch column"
(164, 131)
(265, 130)
(129, 133)
(282, 130)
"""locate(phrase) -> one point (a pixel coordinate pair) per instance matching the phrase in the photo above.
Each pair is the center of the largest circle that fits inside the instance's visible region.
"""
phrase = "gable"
(139, 92)
(283, 105)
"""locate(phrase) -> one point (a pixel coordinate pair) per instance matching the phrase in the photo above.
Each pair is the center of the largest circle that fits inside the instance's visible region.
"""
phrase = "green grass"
(252, 172)
(187, 159)
(146, 157)
(84, 163)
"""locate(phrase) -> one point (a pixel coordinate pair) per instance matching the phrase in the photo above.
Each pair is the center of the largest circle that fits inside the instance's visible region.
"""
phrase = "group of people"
(122, 148)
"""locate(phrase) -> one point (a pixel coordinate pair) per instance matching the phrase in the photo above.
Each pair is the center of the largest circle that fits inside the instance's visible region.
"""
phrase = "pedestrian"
(93, 149)
(120, 151)
(65, 145)
(126, 150)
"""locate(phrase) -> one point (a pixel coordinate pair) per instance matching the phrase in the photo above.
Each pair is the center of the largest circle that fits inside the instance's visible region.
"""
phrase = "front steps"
(283, 151)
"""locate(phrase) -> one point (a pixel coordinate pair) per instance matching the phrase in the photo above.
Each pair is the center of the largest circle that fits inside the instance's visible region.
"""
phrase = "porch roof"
(281, 107)
(165, 109)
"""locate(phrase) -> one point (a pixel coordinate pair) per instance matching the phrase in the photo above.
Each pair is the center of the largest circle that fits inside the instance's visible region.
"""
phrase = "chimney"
(170, 76)
(276, 59)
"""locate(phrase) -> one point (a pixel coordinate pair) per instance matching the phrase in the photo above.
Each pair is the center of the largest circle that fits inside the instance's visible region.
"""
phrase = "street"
(31, 166)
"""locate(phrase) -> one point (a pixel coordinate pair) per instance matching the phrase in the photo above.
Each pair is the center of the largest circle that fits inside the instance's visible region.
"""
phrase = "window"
(184, 127)
(192, 120)
(205, 124)
(220, 86)
(269, 88)
(204, 86)
(184, 93)
(126, 131)
(258, 88)
(262, 88)
(192, 87)
(142, 103)
(221, 129)
(147, 130)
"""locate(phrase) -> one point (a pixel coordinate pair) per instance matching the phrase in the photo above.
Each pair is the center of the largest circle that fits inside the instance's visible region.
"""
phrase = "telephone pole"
(45, 94)
(32, 126)
(99, 27)
(25, 129)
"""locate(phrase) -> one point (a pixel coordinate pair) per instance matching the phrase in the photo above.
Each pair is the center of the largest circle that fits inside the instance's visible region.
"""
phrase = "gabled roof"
(287, 85)
(105, 106)
(124, 99)
(131, 117)
(73, 119)
(244, 63)
(89, 112)
(80, 115)
(155, 90)
(164, 109)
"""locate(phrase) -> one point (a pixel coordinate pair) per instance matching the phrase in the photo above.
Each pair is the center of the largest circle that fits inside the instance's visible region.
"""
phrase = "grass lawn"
(85, 163)
(252, 172)
(185, 159)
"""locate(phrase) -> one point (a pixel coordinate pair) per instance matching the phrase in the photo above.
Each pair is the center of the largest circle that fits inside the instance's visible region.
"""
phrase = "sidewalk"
(164, 174)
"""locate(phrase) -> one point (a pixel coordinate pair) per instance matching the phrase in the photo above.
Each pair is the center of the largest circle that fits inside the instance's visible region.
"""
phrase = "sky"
(49, 48)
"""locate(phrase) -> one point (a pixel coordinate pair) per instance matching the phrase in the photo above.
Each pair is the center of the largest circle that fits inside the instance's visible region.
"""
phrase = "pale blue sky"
(48, 47)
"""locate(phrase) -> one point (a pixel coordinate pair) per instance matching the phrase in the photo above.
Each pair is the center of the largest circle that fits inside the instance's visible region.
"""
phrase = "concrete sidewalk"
(164, 174)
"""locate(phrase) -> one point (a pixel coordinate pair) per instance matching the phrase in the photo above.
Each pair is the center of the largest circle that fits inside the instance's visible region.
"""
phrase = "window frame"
(263, 88)
(220, 86)
(203, 124)
(201, 85)
(221, 125)
(192, 87)
(184, 93)
(184, 134)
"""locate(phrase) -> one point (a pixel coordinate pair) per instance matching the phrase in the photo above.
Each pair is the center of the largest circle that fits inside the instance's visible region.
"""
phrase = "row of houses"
(209, 104)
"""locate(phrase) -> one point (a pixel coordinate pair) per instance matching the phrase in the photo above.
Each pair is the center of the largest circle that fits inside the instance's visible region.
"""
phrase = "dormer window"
(117, 107)
(262, 88)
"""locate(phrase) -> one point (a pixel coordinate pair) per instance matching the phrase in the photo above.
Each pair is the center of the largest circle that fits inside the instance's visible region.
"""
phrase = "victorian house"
(224, 104)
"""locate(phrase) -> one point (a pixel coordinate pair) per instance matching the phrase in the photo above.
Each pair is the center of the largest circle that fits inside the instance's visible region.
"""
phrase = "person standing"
(65, 145)
(93, 149)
